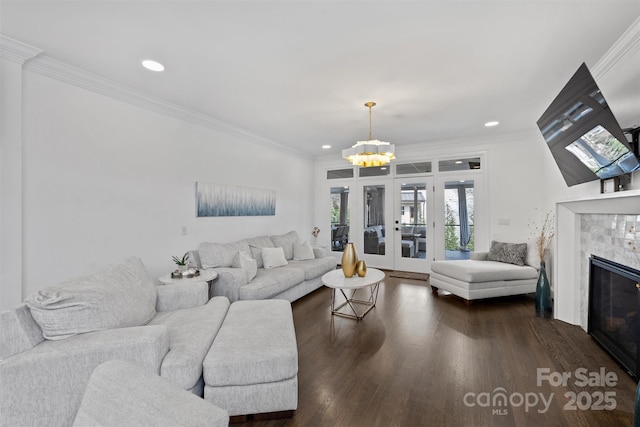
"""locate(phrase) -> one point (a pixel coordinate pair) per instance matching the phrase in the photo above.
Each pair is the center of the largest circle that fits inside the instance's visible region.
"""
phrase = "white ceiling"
(298, 73)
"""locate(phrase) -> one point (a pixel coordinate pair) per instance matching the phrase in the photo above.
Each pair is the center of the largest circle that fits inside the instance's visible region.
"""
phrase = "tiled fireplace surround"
(607, 226)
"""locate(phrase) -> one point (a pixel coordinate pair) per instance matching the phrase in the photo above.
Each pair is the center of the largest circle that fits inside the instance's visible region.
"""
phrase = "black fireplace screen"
(614, 321)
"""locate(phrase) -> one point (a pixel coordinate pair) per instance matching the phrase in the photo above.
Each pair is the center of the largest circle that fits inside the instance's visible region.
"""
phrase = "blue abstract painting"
(229, 200)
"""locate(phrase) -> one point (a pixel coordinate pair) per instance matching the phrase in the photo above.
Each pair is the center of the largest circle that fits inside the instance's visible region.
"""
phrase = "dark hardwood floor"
(418, 359)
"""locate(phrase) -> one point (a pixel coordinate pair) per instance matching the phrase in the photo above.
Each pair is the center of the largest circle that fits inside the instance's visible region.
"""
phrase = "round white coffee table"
(335, 279)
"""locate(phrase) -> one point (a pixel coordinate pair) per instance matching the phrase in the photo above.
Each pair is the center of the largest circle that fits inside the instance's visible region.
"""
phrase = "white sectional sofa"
(51, 344)
(244, 275)
(507, 269)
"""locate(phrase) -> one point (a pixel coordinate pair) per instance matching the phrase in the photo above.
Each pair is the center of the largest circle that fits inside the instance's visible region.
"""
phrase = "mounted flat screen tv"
(584, 137)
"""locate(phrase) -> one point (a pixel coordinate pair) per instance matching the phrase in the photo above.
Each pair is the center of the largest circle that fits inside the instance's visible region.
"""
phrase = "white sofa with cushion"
(507, 269)
(264, 267)
(120, 393)
(51, 344)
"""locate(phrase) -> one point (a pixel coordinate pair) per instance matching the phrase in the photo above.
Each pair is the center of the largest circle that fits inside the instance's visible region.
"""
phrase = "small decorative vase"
(361, 268)
(543, 294)
(349, 260)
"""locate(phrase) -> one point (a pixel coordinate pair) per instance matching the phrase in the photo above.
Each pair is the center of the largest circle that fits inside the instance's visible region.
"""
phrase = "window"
(374, 171)
(459, 164)
(459, 219)
(408, 168)
(340, 173)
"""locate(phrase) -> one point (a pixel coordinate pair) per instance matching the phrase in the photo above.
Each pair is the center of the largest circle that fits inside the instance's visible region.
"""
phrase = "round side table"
(205, 276)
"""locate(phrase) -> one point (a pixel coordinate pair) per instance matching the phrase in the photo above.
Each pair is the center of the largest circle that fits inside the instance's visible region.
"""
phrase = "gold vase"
(349, 260)
(361, 268)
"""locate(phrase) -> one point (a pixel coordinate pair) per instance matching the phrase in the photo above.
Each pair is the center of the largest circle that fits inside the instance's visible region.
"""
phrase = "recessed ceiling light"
(152, 65)
(491, 124)
(326, 147)
(458, 162)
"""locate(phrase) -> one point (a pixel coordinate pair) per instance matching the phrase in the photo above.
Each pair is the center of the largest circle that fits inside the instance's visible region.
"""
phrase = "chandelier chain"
(370, 137)
(370, 104)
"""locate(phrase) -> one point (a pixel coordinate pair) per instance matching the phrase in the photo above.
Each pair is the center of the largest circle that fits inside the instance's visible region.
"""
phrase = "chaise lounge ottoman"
(487, 274)
(252, 366)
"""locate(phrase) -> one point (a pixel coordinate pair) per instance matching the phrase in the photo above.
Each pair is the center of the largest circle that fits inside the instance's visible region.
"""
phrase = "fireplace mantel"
(569, 289)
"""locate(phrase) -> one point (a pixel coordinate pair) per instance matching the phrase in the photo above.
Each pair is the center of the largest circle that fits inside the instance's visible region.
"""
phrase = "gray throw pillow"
(244, 261)
(273, 257)
(286, 241)
(255, 247)
(511, 253)
(214, 255)
(303, 251)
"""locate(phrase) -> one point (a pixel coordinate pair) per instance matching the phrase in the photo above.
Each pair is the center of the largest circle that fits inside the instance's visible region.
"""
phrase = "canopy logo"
(499, 400)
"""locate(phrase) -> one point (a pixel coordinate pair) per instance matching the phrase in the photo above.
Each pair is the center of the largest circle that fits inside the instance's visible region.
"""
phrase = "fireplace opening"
(614, 311)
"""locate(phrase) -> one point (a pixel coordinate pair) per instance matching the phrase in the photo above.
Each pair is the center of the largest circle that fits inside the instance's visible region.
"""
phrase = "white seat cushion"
(191, 332)
(270, 282)
(482, 271)
(267, 351)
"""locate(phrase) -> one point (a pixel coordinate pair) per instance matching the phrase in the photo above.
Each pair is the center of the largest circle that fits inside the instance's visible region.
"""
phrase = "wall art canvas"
(229, 200)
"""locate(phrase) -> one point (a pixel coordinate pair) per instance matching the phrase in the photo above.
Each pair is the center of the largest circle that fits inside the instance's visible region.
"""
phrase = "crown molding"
(628, 43)
(457, 145)
(75, 76)
(16, 51)
(36, 61)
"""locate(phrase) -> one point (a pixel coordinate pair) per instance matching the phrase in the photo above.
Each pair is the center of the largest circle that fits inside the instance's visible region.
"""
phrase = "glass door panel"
(413, 245)
(374, 220)
(340, 221)
(413, 216)
(459, 215)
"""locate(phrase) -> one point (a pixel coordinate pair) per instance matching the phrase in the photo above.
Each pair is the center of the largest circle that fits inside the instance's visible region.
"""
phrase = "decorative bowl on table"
(185, 274)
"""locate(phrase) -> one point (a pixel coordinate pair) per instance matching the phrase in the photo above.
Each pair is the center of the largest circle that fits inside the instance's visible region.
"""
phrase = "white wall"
(103, 179)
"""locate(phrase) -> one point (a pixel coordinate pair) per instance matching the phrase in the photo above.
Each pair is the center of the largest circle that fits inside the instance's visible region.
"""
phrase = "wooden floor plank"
(414, 357)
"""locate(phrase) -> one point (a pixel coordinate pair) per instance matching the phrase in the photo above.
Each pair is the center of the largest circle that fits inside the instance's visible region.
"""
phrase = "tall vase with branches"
(544, 234)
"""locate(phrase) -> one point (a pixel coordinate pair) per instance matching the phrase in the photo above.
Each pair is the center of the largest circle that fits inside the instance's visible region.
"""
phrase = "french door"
(374, 241)
(405, 220)
(395, 226)
(413, 224)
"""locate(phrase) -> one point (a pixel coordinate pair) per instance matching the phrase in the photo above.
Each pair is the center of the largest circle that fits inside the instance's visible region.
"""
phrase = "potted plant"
(183, 267)
(182, 263)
